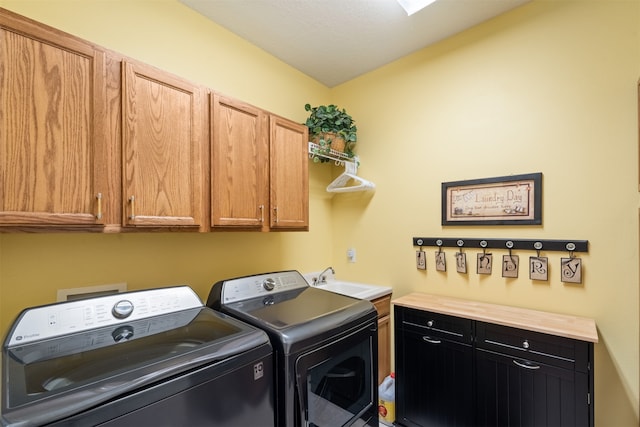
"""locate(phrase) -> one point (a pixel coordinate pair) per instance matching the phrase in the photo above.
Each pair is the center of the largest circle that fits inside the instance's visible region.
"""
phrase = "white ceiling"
(334, 41)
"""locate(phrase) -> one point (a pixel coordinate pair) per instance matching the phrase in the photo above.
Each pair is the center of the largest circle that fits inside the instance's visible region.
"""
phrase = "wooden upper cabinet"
(51, 107)
(259, 169)
(289, 174)
(162, 149)
(92, 140)
(239, 164)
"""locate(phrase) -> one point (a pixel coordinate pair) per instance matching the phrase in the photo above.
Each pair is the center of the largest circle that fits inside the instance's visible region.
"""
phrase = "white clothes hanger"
(339, 185)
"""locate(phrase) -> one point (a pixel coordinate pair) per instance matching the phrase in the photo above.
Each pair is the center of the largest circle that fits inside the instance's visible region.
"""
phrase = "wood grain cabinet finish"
(93, 140)
(51, 109)
(289, 174)
(259, 168)
(239, 164)
(162, 140)
(383, 307)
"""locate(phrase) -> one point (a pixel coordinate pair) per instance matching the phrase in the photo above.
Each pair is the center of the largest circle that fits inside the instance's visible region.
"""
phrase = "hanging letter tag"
(441, 262)
(510, 265)
(571, 270)
(485, 263)
(421, 260)
(538, 268)
(461, 262)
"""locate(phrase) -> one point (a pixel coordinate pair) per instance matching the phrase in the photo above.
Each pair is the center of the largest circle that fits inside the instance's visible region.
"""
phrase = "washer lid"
(56, 378)
(300, 317)
(291, 311)
(298, 307)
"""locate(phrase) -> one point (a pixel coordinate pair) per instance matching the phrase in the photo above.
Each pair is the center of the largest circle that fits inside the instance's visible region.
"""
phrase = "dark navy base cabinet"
(453, 371)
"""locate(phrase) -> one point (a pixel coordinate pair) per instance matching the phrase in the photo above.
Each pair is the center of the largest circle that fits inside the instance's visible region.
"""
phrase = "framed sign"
(504, 200)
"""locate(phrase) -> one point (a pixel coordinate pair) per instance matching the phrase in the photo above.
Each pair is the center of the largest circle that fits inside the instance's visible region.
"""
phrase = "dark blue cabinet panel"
(454, 371)
(519, 393)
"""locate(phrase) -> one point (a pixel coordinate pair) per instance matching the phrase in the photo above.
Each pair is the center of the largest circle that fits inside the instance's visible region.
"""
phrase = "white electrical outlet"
(351, 254)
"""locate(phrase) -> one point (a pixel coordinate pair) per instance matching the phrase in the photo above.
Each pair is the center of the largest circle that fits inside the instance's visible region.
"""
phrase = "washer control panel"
(244, 288)
(81, 315)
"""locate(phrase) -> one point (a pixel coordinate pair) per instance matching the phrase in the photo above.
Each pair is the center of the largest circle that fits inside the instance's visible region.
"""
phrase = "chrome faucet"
(322, 278)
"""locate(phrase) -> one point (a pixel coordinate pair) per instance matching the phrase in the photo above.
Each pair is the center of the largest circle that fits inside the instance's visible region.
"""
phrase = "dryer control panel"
(244, 288)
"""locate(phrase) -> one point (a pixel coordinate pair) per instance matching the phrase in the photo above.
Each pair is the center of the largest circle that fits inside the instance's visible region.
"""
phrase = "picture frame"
(503, 200)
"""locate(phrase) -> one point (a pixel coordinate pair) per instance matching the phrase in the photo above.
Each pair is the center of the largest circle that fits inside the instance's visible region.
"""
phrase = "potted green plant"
(331, 128)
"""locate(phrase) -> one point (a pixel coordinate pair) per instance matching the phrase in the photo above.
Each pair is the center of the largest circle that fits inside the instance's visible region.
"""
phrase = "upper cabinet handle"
(261, 207)
(131, 202)
(99, 198)
(275, 214)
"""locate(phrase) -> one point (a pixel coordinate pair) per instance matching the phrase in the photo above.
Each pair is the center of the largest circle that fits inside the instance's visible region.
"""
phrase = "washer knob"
(122, 309)
(269, 284)
(123, 333)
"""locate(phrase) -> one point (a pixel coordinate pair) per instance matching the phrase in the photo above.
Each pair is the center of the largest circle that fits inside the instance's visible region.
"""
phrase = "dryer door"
(335, 382)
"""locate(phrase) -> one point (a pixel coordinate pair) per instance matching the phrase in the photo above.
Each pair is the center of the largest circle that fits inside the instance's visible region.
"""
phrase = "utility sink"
(355, 290)
(350, 289)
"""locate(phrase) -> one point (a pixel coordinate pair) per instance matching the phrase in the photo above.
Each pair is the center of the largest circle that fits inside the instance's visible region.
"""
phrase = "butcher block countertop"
(580, 328)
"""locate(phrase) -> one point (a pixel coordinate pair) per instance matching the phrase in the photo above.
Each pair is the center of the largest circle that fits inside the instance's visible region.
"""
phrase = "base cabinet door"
(526, 378)
(435, 382)
(434, 369)
(383, 307)
(454, 371)
(516, 392)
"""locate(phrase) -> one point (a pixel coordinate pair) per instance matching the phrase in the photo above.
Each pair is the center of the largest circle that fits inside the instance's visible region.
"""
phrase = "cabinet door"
(434, 381)
(289, 164)
(239, 164)
(383, 307)
(384, 347)
(515, 392)
(162, 149)
(51, 96)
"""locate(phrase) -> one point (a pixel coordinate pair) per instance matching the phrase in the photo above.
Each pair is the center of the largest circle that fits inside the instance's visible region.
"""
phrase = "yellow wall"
(170, 36)
(549, 87)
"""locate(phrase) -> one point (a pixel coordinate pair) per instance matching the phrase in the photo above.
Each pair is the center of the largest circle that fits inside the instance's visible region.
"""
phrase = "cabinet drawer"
(433, 324)
(549, 349)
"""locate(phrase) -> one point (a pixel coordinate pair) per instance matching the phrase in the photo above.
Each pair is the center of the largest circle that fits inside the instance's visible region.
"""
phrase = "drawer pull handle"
(525, 365)
(525, 345)
(431, 340)
(430, 323)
